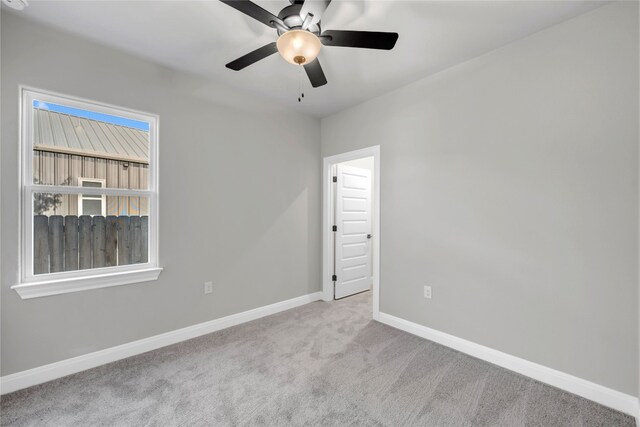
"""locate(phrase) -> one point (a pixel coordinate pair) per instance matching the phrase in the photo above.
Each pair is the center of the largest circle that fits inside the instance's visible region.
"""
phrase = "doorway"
(351, 219)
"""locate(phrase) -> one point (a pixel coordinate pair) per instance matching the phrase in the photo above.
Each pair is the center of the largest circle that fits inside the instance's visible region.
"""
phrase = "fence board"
(84, 242)
(136, 237)
(56, 243)
(40, 244)
(99, 242)
(111, 246)
(70, 243)
(124, 240)
(144, 244)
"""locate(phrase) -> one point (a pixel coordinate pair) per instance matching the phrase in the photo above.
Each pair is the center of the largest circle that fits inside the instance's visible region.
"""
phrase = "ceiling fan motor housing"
(290, 15)
(300, 38)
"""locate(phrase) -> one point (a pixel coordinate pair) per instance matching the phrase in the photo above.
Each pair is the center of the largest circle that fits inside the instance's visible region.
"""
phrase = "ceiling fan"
(300, 37)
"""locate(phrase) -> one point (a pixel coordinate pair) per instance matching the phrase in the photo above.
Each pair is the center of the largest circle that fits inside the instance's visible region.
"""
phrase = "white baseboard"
(66, 367)
(600, 394)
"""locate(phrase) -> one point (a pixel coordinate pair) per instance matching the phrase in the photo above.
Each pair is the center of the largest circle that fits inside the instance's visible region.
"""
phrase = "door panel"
(354, 250)
(354, 227)
(354, 205)
(353, 221)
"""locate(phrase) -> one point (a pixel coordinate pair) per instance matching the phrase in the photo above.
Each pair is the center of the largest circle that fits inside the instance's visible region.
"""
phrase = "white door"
(352, 231)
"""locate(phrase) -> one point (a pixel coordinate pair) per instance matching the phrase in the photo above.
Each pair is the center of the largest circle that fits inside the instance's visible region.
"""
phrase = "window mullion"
(89, 191)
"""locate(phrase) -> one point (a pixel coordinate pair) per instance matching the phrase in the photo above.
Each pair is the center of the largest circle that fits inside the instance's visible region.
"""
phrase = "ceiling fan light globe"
(296, 45)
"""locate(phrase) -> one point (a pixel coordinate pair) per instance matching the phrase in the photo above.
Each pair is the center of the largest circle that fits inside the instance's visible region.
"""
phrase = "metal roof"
(63, 133)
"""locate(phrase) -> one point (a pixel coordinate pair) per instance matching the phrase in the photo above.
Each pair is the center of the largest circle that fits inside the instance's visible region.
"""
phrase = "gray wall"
(510, 185)
(239, 203)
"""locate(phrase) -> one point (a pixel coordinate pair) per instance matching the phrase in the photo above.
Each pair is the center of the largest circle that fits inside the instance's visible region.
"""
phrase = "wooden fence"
(66, 243)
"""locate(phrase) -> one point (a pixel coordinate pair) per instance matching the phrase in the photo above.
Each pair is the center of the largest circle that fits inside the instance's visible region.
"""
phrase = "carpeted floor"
(320, 364)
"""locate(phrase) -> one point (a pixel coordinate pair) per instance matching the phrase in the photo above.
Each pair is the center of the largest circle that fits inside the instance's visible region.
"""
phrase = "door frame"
(327, 210)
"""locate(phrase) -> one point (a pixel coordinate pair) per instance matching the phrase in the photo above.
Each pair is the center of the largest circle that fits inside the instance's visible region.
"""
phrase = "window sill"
(64, 286)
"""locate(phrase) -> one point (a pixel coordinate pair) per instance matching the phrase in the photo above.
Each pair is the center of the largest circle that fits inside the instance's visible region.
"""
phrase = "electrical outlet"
(208, 287)
(427, 292)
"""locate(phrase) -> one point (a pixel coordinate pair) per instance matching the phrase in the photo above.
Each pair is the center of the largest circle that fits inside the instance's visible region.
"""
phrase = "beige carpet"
(320, 364)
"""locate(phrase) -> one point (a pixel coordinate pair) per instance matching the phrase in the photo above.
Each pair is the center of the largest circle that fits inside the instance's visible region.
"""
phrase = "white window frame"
(83, 196)
(32, 286)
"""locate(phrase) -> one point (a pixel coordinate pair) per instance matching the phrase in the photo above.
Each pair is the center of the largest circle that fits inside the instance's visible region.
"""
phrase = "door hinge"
(334, 228)
(334, 278)
(335, 179)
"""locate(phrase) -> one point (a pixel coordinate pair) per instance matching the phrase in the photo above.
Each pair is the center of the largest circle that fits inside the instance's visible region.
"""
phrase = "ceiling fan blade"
(256, 12)
(316, 8)
(315, 73)
(362, 39)
(251, 57)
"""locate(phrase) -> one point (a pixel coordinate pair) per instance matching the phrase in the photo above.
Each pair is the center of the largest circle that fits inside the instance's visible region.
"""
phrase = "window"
(92, 204)
(89, 195)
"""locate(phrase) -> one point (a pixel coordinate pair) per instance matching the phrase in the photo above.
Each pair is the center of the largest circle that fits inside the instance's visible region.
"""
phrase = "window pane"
(50, 204)
(64, 241)
(71, 143)
(93, 184)
(91, 207)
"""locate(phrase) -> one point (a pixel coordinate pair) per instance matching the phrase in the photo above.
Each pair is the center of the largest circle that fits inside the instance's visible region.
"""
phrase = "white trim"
(66, 367)
(77, 276)
(73, 284)
(30, 285)
(589, 390)
(327, 252)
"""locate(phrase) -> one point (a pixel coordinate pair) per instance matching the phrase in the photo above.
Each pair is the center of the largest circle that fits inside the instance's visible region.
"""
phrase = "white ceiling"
(202, 36)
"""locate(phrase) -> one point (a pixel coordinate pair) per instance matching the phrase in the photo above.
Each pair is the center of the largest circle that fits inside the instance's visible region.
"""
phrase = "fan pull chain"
(300, 92)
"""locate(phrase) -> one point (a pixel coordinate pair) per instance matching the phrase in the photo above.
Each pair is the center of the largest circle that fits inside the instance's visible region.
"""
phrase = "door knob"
(368, 236)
